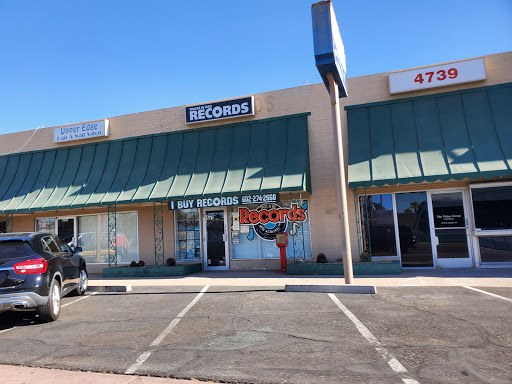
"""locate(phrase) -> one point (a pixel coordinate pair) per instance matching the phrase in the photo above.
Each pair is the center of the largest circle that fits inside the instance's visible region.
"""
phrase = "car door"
(61, 260)
(72, 263)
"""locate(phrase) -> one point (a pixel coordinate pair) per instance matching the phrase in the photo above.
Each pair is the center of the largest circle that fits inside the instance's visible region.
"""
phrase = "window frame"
(487, 232)
(478, 233)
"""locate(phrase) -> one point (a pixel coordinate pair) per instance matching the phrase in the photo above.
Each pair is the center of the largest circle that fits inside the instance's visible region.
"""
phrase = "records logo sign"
(269, 219)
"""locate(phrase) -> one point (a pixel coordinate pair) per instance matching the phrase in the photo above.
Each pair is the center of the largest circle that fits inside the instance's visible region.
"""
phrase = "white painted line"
(488, 293)
(142, 358)
(395, 365)
(82, 298)
(166, 331)
(409, 381)
(183, 313)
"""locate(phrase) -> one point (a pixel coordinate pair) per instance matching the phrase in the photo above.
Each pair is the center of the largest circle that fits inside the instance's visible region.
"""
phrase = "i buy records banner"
(254, 230)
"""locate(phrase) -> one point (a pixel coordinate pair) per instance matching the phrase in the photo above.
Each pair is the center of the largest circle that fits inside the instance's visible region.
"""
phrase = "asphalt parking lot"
(253, 335)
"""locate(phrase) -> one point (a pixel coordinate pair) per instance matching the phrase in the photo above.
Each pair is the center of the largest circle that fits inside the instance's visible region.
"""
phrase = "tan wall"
(324, 219)
(26, 223)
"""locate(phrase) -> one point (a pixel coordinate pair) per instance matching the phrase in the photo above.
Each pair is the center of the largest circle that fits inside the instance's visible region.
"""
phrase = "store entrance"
(66, 229)
(216, 255)
(433, 229)
(450, 230)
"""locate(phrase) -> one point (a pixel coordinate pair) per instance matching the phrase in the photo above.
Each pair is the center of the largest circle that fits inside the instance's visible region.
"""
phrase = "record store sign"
(224, 201)
(220, 110)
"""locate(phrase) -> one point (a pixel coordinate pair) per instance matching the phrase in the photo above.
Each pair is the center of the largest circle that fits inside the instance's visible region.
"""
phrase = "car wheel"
(51, 310)
(82, 284)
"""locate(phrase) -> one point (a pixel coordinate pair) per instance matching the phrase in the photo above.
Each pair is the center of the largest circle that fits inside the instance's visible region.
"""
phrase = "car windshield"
(14, 249)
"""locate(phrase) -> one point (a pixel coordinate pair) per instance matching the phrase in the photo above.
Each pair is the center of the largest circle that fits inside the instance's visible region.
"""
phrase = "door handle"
(437, 241)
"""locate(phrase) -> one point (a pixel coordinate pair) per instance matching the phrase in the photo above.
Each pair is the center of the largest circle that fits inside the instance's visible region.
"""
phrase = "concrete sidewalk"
(12, 374)
(269, 279)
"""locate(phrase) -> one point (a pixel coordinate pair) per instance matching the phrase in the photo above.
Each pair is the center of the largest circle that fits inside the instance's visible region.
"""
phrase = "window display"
(254, 228)
(188, 235)
(45, 225)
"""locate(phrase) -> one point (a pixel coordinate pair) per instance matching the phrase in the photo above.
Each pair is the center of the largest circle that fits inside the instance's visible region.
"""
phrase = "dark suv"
(36, 270)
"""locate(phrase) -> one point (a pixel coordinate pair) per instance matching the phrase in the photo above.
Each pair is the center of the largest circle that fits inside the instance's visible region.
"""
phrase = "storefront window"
(255, 238)
(496, 249)
(3, 226)
(492, 207)
(45, 225)
(414, 229)
(93, 238)
(377, 225)
(188, 235)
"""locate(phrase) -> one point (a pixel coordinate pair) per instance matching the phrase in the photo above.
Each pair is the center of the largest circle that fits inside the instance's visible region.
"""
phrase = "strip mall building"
(428, 165)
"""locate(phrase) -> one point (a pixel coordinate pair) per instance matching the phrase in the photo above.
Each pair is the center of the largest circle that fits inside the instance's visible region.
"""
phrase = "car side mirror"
(77, 249)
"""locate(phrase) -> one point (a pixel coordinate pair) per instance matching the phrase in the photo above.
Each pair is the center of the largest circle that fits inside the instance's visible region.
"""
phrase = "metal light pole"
(340, 178)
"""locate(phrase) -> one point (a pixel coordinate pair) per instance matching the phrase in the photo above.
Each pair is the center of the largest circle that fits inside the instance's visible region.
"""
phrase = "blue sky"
(67, 61)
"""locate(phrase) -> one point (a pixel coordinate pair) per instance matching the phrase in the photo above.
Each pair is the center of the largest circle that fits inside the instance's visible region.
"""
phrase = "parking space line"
(82, 298)
(488, 293)
(143, 357)
(395, 365)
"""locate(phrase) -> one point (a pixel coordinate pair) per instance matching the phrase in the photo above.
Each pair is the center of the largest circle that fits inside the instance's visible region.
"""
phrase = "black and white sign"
(224, 201)
(449, 217)
(220, 110)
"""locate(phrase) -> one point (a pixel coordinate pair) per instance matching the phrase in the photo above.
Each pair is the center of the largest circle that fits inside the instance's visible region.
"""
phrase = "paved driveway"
(252, 335)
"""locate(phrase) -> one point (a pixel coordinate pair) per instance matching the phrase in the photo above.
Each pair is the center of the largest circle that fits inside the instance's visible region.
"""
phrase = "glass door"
(216, 247)
(450, 229)
(65, 229)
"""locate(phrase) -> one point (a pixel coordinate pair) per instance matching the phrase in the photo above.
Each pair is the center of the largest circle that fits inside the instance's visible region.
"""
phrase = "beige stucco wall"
(26, 222)
(325, 223)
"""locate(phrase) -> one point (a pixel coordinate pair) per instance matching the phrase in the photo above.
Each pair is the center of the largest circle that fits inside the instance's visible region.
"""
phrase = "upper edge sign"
(437, 76)
(329, 48)
(220, 110)
(81, 131)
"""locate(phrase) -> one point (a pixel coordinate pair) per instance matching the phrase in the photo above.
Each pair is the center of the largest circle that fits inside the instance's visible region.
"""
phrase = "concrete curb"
(369, 289)
(110, 288)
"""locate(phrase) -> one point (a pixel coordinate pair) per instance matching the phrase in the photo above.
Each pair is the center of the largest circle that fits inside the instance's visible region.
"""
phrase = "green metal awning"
(454, 135)
(252, 157)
